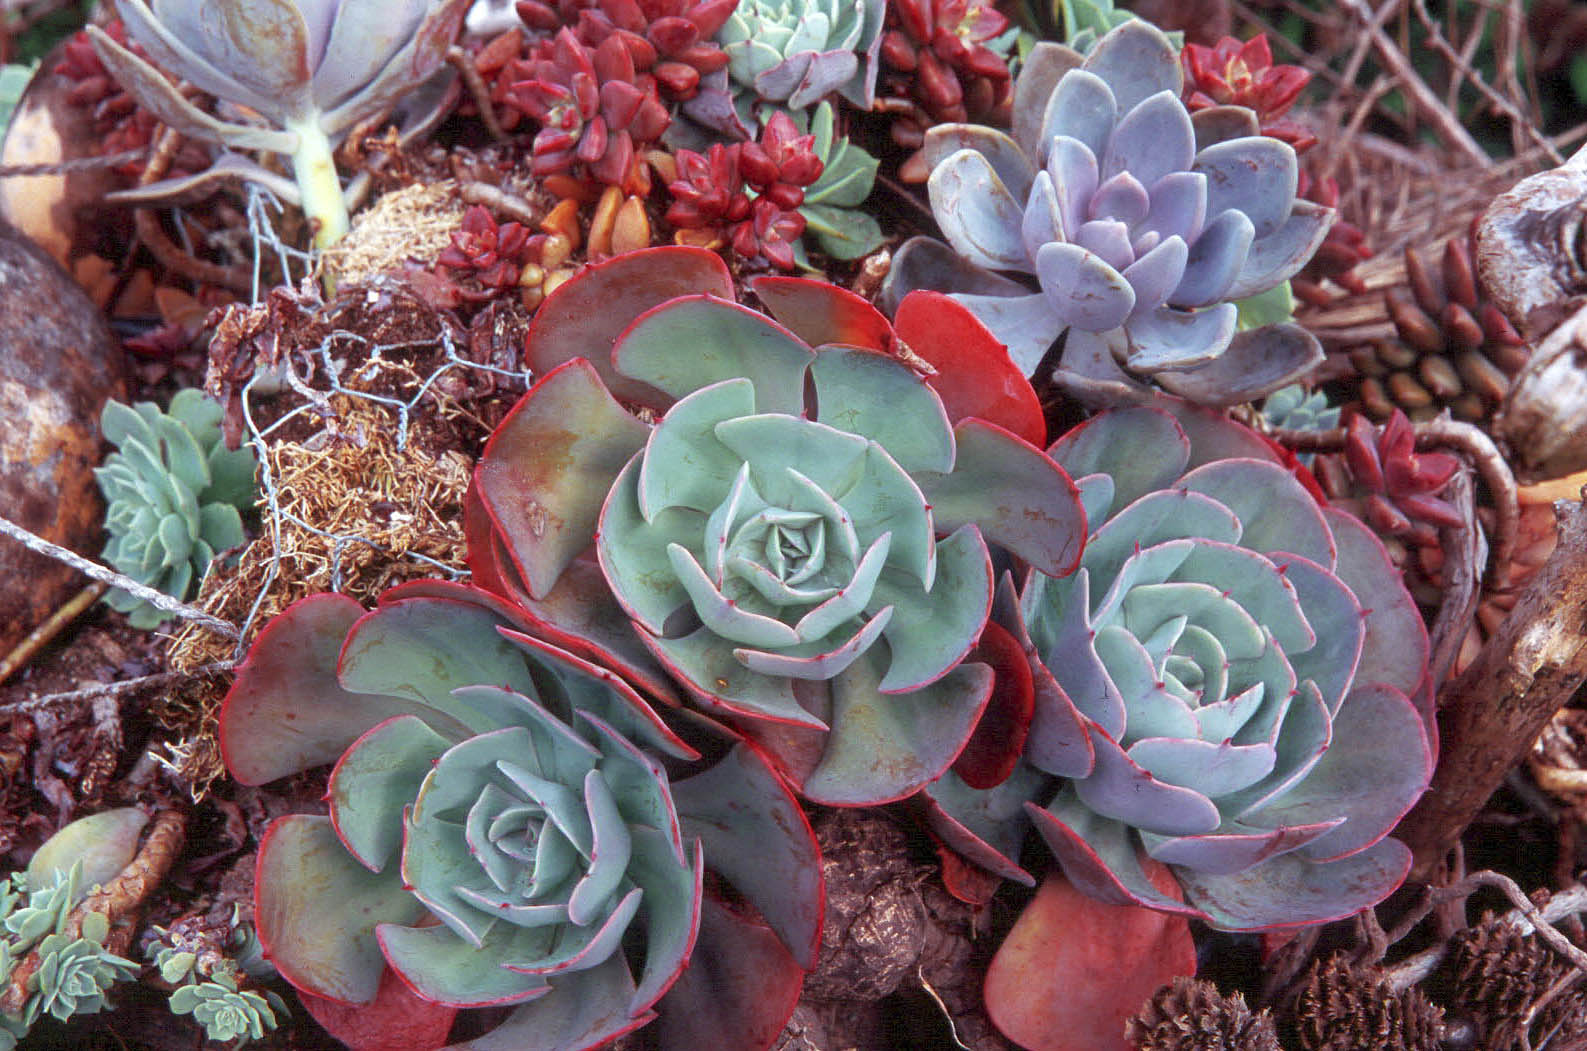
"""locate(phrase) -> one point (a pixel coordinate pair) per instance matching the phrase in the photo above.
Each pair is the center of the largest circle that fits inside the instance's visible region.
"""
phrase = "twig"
(80, 164)
(154, 238)
(464, 64)
(114, 689)
(36, 639)
(1495, 473)
(498, 200)
(1445, 122)
(158, 599)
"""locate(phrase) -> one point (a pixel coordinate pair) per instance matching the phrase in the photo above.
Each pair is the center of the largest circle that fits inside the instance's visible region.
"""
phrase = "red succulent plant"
(938, 67)
(746, 194)
(492, 254)
(670, 40)
(1337, 257)
(1401, 485)
(1232, 73)
(595, 110)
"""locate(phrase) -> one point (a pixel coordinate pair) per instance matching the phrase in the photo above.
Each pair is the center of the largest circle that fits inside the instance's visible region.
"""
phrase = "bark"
(1490, 715)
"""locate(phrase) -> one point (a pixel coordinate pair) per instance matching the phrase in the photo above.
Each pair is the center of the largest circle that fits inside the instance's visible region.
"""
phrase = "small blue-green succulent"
(174, 492)
(212, 995)
(1137, 226)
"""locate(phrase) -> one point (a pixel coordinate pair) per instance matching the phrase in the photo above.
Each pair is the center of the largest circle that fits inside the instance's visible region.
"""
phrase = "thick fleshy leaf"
(926, 263)
(977, 213)
(1099, 855)
(1256, 176)
(547, 469)
(986, 826)
(328, 951)
(1233, 848)
(1138, 61)
(1179, 206)
(1151, 141)
(634, 556)
(738, 990)
(1375, 769)
(1288, 891)
(440, 966)
(1044, 67)
(584, 316)
(1279, 255)
(878, 396)
(1019, 497)
(1216, 124)
(1025, 323)
(1073, 969)
(722, 682)
(1010, 162)
(725, 341)
(1216, 259)
(1115, 443)
(262, 45)
(1276, 511)
(1155, 274)
(374, 780)
(974, 374)
(1395, 647)
(105, 843)
(684, 464)
(993, 750)
(1169, 339)
(398, 1019)
(287, 712)
(1119, 788)
(818, 312)
(884, 747)
(583, 1011)
(1081, 289)
(928, 632)
(756, 836)
(1256, 363)
(672, 896)
(1082, 107)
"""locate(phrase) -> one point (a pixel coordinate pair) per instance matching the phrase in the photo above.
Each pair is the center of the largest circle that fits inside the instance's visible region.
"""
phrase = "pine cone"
(1344, 1008)
(1454, 349)
(1499, 974)
(1191, 1015)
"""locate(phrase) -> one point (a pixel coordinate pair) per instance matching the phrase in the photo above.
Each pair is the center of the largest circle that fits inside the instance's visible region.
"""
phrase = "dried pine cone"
(1499, 974)
(1344, 1008)
(1454, 349)
(1191, 1015)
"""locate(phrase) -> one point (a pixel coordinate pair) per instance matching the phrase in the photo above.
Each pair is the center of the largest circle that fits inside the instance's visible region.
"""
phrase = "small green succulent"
(76, 972)
(226, 1012)
(174, 493)
(831, 205)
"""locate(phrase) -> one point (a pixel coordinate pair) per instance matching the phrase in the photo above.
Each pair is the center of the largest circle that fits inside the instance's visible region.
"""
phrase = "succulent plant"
(76, 972)
(502, 830)
(1296, 409)
(831, 206)
(1397, 487)
(491, 253)
(815, 568)
(1452, 347)
(312, 70)
(226, 1012)
(670, 40)
(594, 109)
(945, 61)
(1140, 224)
(1233, 683)
(790, 54)
(173, 490)
(1337, 257)
(1232, 73)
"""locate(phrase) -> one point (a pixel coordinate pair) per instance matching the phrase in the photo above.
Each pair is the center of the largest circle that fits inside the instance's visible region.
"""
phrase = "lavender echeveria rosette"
(503, 830)
(1233, 683)
(1140, 224)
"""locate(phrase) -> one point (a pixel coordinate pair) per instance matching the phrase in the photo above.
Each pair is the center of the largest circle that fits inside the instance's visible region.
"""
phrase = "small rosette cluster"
(798, 539)
(501, 831)
(1232, 684)
(1140, 224)
(790, 54)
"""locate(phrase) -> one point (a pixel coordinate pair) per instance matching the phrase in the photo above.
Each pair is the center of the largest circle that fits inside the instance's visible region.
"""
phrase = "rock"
(58, 364)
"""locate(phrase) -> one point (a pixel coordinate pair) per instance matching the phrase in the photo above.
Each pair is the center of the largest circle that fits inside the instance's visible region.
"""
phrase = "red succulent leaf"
(1402, 485)
(965, 880)
(975, 376)
(1361, 453)
(398, 1019)
(998, 741)
(820, 313)
(1073, 969)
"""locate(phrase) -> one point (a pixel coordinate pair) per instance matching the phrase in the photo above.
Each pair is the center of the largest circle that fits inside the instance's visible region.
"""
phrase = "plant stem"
(315, 170)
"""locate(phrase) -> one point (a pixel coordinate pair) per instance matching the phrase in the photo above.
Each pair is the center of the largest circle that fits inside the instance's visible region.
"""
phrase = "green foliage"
(174, 493)
(831, 206)
(216, 1001)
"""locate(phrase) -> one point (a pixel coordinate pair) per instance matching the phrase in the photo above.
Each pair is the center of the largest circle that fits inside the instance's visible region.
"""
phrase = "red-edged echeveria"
(503, 831)
(1232, 684)
(797, 538)
(1137, 225)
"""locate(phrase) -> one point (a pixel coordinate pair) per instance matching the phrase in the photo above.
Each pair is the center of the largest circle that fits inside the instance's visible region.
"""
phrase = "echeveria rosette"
(502, 829)
(790, 54)
(797, 539)
(313, 69)
(1139, 224)
(1233, 684)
